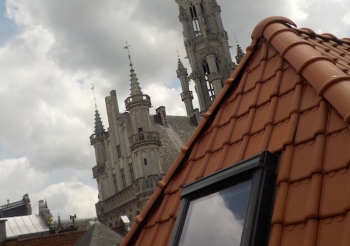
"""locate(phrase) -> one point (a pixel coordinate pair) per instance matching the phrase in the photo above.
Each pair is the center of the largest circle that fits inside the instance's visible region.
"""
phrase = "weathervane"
(236, 38)
(93, 91)
(129, 56)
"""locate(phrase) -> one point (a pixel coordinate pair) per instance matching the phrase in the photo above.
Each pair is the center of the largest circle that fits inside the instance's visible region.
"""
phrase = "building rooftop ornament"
(98, 122)
(93, 91)
(129, 56)
(240, 53)
(135, 85)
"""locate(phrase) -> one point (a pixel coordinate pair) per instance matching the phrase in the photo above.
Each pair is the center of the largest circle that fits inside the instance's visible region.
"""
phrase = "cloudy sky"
(52, 51)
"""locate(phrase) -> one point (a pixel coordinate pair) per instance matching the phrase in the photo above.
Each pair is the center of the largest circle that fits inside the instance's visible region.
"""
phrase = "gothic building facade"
(134, 153)
(137, 149)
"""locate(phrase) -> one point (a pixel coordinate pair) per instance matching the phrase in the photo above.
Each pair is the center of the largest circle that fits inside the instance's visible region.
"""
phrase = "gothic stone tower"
(207, 49)
(144, 141)
(128, 166)
(99, 171)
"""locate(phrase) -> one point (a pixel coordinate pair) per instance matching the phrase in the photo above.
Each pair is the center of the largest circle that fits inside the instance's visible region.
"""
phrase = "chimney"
(162, 115)
(3, 230)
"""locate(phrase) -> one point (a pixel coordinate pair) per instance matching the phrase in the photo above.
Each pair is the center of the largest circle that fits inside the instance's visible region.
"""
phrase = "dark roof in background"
(290, 93)
(173, 136)
(61, 239)
(99, 234)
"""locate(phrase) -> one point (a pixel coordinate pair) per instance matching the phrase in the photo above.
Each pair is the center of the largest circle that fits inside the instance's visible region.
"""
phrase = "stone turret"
(186, 95)
(144, 140)
(97, 140)
(239, 55)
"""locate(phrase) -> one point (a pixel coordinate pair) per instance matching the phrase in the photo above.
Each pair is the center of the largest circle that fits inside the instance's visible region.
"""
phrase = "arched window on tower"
(195, 22)
(219, 68)
(218, 63)
(206, 76)
(204, 17)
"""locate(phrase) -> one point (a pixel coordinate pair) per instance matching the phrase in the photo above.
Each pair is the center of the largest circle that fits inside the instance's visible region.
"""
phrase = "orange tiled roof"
(62, 239)
(289, 94)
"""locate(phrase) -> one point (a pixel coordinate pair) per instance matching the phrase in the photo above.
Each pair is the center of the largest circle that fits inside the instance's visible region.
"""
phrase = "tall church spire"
(98, 122)
(99, 129)
(135, 85)
(239, 51)
(240, 54)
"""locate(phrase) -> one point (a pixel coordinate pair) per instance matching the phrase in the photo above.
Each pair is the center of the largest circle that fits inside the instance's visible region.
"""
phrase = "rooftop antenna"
(129, 56)
(93, 91)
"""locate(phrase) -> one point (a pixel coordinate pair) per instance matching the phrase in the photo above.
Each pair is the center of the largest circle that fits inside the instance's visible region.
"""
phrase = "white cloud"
(346, 18)
(17, 177)
(68, 198)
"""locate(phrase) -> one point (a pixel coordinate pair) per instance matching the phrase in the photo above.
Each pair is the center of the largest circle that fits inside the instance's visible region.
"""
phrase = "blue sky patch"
(8, 27)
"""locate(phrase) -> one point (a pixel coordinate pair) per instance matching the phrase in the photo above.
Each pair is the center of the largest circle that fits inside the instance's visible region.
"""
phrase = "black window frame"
(262, 170)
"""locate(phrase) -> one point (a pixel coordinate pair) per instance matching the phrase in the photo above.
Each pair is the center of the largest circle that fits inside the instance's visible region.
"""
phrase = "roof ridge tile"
(313, 66)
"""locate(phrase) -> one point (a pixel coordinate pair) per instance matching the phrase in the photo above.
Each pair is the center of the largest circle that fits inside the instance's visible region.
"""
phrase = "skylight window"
(231, 207)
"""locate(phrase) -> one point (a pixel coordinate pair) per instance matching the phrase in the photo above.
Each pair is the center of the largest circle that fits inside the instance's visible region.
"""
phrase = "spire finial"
(177, 51)
(93, 91)
(129, 56)
(236, 38)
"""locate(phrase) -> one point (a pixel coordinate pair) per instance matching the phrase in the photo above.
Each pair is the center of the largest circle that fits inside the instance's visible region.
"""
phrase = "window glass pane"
(217, 219)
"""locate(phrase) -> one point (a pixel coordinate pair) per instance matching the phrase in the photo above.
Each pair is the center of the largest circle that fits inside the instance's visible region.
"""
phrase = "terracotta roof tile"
(232, 154)
(283, 133)
(239, 128)
(276, 235)
(303, 200)
(310, 98)
(220, 137)
(334, 231)
(289, 95)
(164, 232)
(64, 239)
(332, 202)
(213, 159)
(248, 101)
(337, 154)
(335, 123)
(258, 142)
(175, 204)
(264, 115)
(312, 122)
(280, 203)
(226, 114)
(254, 76)
(273, 65)
(259, 54)
(289, 80)
(193, 171)
(288, 104)
(304, 234)
(308, 158)
(285, 164)
(238, 90)
(268, 89)
(145, 236)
